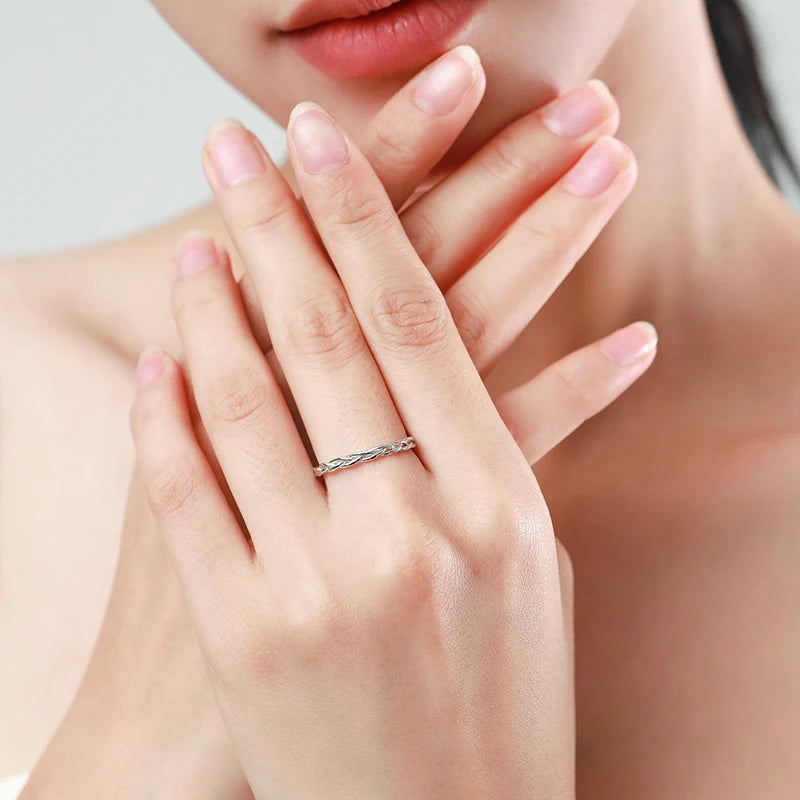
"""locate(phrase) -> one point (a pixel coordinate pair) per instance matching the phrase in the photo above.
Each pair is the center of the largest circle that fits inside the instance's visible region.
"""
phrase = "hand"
(342, 625)
(501, 193)
(144, 722)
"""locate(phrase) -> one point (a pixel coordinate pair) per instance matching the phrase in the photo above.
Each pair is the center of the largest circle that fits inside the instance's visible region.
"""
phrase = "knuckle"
(171, 486)
(394, 147)
(356, 215)
(575, 395)
(273, 645)
(409, 319)
(309, 633)
(237, 397)
(405, 579)
(243, 650)
(424, 235)
(324, 326)
(402, 569)
(506, 160)
(542, 242)
(470, 320)
(192, 301)
(492, 537)
(263, 215)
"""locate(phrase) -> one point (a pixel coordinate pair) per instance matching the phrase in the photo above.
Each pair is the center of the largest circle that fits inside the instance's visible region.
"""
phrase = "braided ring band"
(368, 455)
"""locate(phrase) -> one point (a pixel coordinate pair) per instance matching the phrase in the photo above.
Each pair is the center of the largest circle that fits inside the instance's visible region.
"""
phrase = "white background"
(104, 110)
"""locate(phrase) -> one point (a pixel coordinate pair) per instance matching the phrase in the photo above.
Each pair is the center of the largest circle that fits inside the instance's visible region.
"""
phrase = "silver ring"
(367, 455)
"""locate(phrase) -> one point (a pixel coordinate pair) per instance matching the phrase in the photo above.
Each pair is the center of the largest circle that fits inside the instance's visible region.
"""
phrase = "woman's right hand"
(504, 198)
(400, 630)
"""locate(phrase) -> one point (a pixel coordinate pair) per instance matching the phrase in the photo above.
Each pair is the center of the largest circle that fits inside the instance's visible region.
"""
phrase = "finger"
(258, 324)
(254, 313)
(243, 411)
(544, 411)
(399, 307)
(330, 371)
(211, 553)
(450, 231)
(407, 138)
(494, 301)
(416, 127)
(518, 165)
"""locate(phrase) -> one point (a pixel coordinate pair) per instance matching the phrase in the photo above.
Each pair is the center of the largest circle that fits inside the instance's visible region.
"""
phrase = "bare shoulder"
(33, 300)
(22, 293)
(111, 295)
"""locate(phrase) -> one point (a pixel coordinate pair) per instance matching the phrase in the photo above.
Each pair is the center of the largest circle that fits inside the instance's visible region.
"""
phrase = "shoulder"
(52, 311)
(18, 296)
(30, 296)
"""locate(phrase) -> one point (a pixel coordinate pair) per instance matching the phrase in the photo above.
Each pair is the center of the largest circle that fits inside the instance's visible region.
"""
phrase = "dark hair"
(739, 57)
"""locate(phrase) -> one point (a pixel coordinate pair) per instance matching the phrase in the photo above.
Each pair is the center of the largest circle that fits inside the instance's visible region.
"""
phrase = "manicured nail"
(579, 111)
(234, 155)
(317, 139)
(597, 169)
(442, 86)
(630, 344)
(150, 366)
(196, 251)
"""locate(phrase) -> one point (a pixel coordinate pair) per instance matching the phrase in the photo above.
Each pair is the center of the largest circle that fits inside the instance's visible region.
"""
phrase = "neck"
(703, 207)
(705, 243)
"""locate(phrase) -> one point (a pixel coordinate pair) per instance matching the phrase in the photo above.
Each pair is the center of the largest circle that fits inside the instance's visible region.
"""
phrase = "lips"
(316, 11)
(366, 38)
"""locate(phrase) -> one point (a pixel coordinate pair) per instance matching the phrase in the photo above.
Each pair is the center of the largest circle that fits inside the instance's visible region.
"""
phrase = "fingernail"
(442, 86)
(196, 251)
(597, 169)
(630, 344)
(579, 111)
(317, 139)
(150, 366)
(234, 155)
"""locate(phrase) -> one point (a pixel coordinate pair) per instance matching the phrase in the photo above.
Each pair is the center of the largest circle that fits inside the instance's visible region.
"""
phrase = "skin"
(153, 712)
(399, 695)
(678, 505)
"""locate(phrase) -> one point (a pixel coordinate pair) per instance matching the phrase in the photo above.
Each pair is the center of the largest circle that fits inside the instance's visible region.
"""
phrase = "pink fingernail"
(579, 111)
(629, 345)
(597, 169)
(196, 251)
(150, 366)
(234, 155)
(319, 143)
(442, 86)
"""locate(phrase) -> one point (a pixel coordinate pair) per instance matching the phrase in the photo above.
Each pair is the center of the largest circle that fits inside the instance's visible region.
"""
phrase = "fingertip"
(632, 344)
(151, 365)
(469, 54)
(196, 250)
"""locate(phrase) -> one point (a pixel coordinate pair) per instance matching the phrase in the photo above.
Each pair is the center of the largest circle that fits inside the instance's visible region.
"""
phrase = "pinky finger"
(210, 552)
(547, 409)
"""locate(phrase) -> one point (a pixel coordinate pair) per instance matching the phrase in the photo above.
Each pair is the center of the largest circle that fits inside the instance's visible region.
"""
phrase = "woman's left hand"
(399, 630)
(143, 723)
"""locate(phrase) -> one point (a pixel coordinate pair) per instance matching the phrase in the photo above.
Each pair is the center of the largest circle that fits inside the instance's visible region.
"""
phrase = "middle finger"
(402, 312)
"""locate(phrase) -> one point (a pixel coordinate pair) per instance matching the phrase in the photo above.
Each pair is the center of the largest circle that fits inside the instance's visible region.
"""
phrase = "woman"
(684, 625)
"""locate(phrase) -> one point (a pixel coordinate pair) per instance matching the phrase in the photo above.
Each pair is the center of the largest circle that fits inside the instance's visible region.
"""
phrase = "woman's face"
(531, 50)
